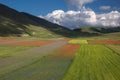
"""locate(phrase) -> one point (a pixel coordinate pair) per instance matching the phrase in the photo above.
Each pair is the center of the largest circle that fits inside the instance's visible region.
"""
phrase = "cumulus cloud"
(109, 19)
(78, 3)
(105, 7)
(83, 16)
(86, 17)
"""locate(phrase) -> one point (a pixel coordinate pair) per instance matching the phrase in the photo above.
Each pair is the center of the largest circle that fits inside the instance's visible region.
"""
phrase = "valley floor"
(59, 59)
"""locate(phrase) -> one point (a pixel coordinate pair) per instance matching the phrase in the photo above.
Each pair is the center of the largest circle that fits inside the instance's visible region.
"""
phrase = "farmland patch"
(69, 50)
(94, 62)
(35, 65)
(78, 41)
(115, 48)
(104, 41)
(26, 43)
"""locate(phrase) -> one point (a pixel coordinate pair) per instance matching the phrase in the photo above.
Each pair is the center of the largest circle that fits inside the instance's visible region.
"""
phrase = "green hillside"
(14, 23)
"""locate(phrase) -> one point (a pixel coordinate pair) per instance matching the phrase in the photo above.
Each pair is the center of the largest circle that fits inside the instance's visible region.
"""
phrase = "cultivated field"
(59, 59)
(94, 62)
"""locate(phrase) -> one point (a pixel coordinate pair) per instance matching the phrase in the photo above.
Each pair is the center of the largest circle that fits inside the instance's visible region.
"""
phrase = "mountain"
(12, 22)
(15, 23)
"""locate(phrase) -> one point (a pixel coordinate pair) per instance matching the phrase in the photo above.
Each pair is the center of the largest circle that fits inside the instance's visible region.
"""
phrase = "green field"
(11, 59)
(16, 65)
(78, 41)
(91, 62)
(116, 48)
(94, 62)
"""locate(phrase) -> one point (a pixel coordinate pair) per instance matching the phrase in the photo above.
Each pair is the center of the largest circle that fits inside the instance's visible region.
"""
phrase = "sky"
(71, 13)
(36, 7)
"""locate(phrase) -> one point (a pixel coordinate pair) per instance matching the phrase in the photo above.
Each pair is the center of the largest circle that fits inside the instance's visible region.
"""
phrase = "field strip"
(28, 58)
(78, 41)
(75, 41)
(115, 48)
(94, 62)
(104, 42)
(27, 43)
(67, 51)
(44, 68)
(46, 48)
(2, 42)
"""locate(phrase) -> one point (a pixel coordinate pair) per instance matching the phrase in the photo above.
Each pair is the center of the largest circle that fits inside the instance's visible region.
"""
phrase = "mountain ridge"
(10, 17)
(15, 23)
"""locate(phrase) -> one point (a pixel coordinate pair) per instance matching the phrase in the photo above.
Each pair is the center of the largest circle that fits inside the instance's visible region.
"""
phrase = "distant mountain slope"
(99, 30)
(14, 23)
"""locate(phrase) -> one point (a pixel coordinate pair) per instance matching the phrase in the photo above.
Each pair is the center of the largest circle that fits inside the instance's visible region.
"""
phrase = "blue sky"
(35, 7)
(43, 7)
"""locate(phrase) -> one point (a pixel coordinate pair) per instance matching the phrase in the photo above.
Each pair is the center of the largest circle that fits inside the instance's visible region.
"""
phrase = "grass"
(11, 58)
(21, 66)
(11, 51)
(78, 41)
(94, 62)
(45, 68)
(116, 48)
(40, 32)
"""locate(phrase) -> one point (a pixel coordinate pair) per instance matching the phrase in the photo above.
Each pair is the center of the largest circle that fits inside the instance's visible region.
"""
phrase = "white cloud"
(78, 3)
(83, 16)
(105, 7)
(86, 17)
(109, 19)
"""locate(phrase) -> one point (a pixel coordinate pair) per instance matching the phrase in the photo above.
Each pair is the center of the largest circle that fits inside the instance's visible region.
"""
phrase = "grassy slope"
(40, 32)
(18, 23)
(9, 27)
(94, 62)
(101, 33)
(109, 36)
